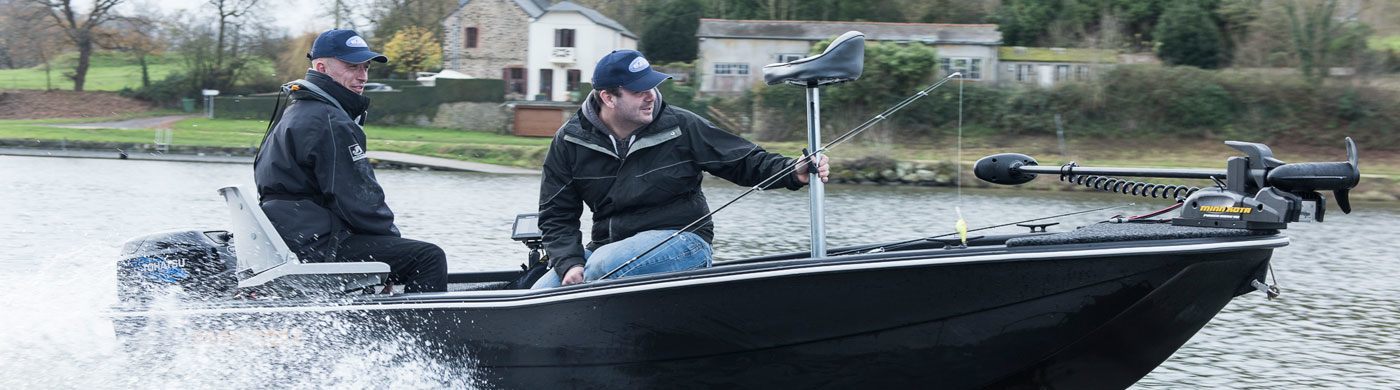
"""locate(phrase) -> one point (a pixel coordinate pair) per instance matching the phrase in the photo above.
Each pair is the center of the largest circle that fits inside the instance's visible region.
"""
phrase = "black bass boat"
(1098, 306)
(1095, 307)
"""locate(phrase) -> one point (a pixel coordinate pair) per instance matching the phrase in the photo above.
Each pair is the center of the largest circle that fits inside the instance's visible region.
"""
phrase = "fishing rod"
(806, 159)
(930, 238)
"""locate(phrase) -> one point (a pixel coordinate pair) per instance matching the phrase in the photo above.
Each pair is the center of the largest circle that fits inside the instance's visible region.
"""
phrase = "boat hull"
(1093, 315)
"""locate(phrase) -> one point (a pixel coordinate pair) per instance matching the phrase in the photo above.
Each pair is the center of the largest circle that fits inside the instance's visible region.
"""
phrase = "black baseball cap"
(626, 69)
(344, 45)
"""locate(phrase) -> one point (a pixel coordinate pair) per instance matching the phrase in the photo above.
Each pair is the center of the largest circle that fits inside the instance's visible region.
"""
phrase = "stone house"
(732, 53)
(542, 51)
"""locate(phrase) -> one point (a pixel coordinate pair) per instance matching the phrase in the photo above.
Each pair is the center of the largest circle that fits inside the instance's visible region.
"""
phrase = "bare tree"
(343, 11)
(79, 27)
(229, 12)
(138, 36)
(28, 37)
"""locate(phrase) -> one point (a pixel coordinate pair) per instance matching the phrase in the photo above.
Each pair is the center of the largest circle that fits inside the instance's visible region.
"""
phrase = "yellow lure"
(961, 226)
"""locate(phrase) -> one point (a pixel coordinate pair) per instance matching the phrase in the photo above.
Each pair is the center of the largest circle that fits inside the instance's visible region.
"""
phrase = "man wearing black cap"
(637, 162)
(316, 184)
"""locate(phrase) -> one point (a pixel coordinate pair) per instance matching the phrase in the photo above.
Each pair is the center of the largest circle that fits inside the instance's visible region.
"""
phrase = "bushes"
(166, 92)
(1128, 101)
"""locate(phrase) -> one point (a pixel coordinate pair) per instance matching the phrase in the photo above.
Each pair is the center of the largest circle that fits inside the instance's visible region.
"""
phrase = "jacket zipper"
(621, 161)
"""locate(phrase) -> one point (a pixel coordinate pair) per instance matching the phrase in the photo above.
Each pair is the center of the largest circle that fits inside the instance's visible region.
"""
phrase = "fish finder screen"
(526, 227)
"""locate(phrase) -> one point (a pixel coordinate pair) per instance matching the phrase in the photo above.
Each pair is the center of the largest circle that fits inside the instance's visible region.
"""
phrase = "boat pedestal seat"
(264, 261)
(842, 61)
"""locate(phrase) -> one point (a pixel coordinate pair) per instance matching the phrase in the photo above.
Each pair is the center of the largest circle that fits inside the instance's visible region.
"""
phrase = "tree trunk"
(84, 58)
(219, 49)
(48, 74)
(145, 73)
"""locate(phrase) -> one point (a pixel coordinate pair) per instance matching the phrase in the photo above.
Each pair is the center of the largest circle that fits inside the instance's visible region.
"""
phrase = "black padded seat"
(842, 61)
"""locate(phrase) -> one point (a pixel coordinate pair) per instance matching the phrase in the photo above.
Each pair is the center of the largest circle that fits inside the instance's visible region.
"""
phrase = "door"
(546, 85)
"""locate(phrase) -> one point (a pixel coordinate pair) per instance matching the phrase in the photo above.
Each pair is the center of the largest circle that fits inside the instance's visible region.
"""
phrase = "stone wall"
(502, 41)
(884, 170)
(492, 117)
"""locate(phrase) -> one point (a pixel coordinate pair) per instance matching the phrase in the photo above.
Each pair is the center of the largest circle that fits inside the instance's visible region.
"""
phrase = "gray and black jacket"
(654, 186)
(314, 181)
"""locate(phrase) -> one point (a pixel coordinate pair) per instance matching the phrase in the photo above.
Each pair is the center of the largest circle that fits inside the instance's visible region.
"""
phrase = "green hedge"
(395, 83)
(391, 107)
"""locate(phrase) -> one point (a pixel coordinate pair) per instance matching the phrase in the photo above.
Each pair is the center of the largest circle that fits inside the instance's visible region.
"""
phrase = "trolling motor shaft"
(1255, 191)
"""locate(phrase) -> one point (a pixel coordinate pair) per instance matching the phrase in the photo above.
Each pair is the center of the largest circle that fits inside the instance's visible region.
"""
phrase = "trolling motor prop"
(1255, 191)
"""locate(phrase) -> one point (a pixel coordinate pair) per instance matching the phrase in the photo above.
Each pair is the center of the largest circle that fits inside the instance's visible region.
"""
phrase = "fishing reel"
(1255, 191)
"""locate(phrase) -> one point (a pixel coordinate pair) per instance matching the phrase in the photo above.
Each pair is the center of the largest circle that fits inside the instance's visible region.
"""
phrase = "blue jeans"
(686, 251)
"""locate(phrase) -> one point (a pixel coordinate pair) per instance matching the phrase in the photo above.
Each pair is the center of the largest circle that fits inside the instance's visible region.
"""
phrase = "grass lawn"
(104, 78)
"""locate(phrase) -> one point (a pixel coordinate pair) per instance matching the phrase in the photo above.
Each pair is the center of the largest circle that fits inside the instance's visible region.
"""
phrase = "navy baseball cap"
(345, 45)
(626, 69)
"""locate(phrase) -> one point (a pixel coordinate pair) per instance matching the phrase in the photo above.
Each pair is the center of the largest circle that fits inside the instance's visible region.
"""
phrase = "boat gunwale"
(505, 299)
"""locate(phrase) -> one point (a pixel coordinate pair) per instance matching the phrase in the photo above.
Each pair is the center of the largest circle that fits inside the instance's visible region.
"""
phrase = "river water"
(62, 222)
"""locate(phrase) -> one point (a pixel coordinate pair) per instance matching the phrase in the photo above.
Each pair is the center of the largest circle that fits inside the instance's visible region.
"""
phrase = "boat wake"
(62, 337)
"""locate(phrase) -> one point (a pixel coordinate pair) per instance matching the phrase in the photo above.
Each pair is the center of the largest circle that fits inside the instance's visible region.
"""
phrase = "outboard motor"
(198, 263)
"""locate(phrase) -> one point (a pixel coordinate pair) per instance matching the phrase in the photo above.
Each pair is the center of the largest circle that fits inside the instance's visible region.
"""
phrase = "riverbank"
(871, 160)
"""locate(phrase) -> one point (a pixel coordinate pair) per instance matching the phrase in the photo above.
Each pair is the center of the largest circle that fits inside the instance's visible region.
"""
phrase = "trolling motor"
(1255, 191)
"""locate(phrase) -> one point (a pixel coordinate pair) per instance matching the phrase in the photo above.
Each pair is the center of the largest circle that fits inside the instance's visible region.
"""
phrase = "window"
(1061, 72)
(1081, 72)
(731, 69)
(573, 79)
(971, 68)
(789, 57)
(470, 42)
(564, 37)
(1025, 73)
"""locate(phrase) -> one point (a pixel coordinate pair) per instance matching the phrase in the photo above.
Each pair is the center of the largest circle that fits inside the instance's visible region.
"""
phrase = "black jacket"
(314, 182)
(656, 185)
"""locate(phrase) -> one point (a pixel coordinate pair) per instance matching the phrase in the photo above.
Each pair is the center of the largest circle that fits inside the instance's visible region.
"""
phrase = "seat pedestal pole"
(816, 189)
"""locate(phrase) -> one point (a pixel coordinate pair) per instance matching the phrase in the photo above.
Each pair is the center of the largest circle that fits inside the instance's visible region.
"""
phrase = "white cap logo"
(637, 65)
(356, 41)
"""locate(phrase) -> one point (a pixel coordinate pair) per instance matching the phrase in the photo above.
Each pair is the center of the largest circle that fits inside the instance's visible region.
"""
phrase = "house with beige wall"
(1048, 66)
(732, 53)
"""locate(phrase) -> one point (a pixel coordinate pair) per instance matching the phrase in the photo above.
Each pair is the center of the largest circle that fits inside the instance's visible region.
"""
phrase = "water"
(64, 220)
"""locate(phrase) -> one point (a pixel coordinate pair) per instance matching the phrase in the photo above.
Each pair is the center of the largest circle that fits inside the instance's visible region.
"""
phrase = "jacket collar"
(319, 86)
(593, 134)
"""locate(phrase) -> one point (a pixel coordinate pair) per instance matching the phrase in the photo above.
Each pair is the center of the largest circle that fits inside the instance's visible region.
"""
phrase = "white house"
(565, 43)
(733, 52)
(537, 48)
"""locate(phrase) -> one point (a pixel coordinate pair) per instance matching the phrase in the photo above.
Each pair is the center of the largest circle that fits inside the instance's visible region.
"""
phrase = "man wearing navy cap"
(637, 162)
(315, 182)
